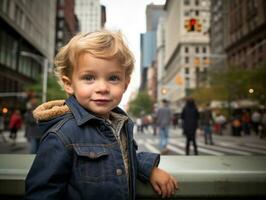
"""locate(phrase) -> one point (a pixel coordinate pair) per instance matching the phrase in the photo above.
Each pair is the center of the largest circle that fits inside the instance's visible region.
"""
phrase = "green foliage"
(54, 90)
(141, 105)
(234, 84)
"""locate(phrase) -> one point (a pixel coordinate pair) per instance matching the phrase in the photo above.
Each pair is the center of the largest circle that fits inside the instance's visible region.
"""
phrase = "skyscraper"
(89, 15)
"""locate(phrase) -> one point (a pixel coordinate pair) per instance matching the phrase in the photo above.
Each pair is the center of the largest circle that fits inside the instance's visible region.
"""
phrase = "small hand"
(163, 183)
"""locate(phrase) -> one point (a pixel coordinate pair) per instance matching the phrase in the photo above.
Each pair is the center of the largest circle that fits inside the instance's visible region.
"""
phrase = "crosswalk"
(223, 145)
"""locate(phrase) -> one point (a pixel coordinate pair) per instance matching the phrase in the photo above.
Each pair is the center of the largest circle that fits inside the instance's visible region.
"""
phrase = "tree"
(234, 84)
(141, 105)
(54, 90)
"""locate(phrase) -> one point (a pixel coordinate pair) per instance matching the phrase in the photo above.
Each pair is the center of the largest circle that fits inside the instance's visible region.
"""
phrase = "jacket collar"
(82, 115)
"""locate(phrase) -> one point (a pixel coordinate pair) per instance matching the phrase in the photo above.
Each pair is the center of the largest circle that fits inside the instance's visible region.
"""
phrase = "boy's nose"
(102, 86)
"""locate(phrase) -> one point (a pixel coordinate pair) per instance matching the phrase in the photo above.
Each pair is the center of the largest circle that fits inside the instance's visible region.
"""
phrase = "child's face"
(97, 84)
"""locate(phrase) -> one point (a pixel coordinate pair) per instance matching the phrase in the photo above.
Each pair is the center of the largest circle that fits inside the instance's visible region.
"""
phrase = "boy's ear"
(67, 85)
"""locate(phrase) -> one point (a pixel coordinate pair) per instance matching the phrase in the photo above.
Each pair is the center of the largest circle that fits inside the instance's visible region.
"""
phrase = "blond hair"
(101, 44)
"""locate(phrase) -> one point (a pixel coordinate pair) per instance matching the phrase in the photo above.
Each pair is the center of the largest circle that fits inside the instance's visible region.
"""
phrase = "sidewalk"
(21, 146)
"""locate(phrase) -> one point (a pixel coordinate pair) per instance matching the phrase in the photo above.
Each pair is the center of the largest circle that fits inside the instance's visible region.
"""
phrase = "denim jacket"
(80, 158)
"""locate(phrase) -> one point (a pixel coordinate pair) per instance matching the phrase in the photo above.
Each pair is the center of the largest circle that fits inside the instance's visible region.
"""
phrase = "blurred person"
(88, 151)
(32, 131)
(139, 124)
(2, 127)
(236, 125)
(220, 122)
(163, 121)
(263, 124)
(15, 124)
(206, 123)
(246, 121)
(190, 117)
(256, 119)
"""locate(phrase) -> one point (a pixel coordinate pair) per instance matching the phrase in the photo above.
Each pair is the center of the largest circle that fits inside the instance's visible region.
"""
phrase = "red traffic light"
(193, 21)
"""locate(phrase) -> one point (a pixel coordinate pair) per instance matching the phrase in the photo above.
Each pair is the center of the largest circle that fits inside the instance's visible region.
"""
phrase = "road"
(223, 145)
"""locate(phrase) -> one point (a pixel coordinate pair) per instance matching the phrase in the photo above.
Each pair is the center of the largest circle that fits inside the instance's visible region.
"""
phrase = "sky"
(129, 16)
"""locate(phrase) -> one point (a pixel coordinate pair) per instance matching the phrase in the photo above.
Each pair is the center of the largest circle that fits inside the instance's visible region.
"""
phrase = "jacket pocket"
(92, 163)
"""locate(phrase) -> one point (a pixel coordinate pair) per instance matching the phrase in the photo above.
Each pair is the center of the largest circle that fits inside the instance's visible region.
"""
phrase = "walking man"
(163, 120)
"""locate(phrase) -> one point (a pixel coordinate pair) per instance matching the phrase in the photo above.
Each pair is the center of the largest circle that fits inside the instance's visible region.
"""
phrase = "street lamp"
(44, 62)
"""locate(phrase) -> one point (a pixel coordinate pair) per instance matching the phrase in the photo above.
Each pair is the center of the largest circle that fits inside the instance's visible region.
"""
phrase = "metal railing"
(199, 177)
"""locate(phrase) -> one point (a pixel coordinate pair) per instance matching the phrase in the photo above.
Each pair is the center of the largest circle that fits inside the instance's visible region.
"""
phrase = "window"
(18, 15)
(186, 70)
(187, 82)
(186, 59)
(60, 13)
(197, 49)
(204, 50)
(186, 2)
(187, 13)
(59, 34)
(186, 49)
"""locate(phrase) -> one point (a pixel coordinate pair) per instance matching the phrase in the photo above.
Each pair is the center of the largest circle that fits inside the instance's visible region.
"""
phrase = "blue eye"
(114, 78)
(88, 77)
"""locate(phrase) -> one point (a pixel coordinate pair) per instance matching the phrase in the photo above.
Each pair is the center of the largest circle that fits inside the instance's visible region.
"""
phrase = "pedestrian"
(2, 127)
(236, 125)
(88, 151)
(14, 125)
(139, 124)
(206, 122)
(256, 120)
(246, 121)
(190, 117)
(263, 124)
(32, 131)
(163, 121)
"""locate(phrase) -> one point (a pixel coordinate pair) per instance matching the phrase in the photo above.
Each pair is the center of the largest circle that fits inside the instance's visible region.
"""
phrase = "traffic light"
(192, 24)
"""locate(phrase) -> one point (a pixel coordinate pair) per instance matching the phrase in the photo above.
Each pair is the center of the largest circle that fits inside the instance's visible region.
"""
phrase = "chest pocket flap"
(91, 152)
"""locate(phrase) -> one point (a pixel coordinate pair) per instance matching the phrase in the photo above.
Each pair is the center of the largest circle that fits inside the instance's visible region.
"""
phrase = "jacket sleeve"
(145, 163)
(49, 174)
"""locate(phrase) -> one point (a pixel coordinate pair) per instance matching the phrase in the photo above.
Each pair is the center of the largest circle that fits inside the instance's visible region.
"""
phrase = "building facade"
(186, 47)
(89, 15)
(66, 22)
(148, 50)
(26, 37)
(246, 39)
(218, 33)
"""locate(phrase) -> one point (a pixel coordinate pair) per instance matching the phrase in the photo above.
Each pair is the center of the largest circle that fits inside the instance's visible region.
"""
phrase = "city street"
(223, 145)
(21, 147)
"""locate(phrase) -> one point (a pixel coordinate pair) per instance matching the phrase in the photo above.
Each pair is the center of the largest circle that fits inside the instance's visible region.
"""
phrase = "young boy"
(88, 150)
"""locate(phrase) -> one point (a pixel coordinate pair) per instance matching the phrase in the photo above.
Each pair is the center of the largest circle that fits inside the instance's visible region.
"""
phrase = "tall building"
(246, 39)
(148, 50)
(66, 22)
(89, 14)
(218, 33)
(26, 36)
(186, 39)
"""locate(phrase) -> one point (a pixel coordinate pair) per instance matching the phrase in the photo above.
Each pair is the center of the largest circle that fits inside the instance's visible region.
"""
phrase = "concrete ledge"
(200, 177)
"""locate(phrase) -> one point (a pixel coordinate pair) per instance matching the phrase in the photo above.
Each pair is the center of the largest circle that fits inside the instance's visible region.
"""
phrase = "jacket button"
(119, 172)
